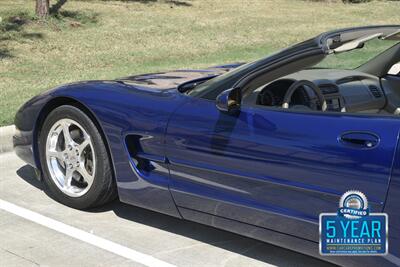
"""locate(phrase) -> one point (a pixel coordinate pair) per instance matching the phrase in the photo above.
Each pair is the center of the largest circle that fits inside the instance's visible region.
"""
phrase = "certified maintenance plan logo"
(353, 230)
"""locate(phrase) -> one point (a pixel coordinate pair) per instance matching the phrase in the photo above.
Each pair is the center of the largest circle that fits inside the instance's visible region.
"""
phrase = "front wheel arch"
(55, 103)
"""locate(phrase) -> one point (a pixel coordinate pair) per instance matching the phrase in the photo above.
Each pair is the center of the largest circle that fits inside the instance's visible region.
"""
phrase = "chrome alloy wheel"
(70, 157)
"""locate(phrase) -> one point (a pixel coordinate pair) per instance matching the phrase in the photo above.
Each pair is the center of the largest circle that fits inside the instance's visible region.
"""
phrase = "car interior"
(343, 91)
(372, 88)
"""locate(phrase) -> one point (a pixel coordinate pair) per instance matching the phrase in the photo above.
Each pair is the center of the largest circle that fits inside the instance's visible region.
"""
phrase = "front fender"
(120, 110)
(25, 126)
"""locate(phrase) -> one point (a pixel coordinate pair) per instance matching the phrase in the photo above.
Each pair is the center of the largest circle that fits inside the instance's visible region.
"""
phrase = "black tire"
(103, 189)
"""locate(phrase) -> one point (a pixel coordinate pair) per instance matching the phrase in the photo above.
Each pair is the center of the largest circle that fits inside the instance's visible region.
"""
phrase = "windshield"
(342, 49)
(357, 57)
(200, 88)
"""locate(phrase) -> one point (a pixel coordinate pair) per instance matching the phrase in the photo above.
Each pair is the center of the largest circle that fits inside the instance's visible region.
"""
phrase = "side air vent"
(375, 91)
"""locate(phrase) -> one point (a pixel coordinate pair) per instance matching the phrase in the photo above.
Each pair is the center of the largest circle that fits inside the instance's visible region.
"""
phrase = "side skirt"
(278, 239)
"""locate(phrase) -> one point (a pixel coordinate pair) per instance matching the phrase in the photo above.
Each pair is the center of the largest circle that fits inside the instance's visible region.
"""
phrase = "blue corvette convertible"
(260, 149)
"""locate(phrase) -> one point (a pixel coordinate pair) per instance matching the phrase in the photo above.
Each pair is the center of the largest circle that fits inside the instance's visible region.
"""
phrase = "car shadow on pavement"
(247, 247)
(27, 173)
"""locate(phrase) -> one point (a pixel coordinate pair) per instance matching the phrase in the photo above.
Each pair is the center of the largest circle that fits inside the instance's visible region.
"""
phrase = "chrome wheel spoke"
(68, 177)
(56, 154)
(67, 135)
(84, 144)
(85, 174)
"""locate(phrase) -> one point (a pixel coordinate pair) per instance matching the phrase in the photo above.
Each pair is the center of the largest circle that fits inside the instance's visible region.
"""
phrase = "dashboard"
(343, 90)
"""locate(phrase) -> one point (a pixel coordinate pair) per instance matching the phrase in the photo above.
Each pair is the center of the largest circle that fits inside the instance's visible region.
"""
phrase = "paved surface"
(178, 242)
(6, 137)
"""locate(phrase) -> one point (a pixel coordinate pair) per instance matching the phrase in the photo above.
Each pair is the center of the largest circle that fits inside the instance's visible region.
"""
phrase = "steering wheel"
(297, 85)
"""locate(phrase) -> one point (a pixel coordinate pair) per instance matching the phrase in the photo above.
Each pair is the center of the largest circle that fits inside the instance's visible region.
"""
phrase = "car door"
(276, 169)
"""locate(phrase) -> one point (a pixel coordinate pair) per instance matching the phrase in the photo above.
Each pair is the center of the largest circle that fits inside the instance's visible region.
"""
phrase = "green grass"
(110, 39)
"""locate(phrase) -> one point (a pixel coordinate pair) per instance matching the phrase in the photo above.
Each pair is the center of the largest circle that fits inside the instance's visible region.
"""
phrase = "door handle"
(359, 139)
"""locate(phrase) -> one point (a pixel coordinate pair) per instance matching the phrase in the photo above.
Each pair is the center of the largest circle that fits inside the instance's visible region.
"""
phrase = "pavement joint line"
(84, 236)
(21, 257)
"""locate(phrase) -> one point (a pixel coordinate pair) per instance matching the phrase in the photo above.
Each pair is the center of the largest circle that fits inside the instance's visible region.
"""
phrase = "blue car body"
(264, 173)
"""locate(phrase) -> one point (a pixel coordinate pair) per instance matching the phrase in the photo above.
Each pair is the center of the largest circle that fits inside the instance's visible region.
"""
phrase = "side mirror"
(229, 101)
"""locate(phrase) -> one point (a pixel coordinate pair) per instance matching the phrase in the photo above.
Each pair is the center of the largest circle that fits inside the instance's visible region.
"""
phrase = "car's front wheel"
(74, 159)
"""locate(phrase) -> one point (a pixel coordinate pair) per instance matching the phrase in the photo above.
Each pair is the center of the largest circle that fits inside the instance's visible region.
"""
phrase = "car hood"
(172, 79)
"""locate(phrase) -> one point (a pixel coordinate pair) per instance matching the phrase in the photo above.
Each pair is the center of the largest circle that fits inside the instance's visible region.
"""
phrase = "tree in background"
(43, 8)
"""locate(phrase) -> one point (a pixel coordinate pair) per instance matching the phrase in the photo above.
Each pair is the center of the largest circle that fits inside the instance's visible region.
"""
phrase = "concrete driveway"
(138, 232)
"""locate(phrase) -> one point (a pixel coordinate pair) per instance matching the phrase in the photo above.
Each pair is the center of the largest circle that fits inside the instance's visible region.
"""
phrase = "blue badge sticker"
(353, 230)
